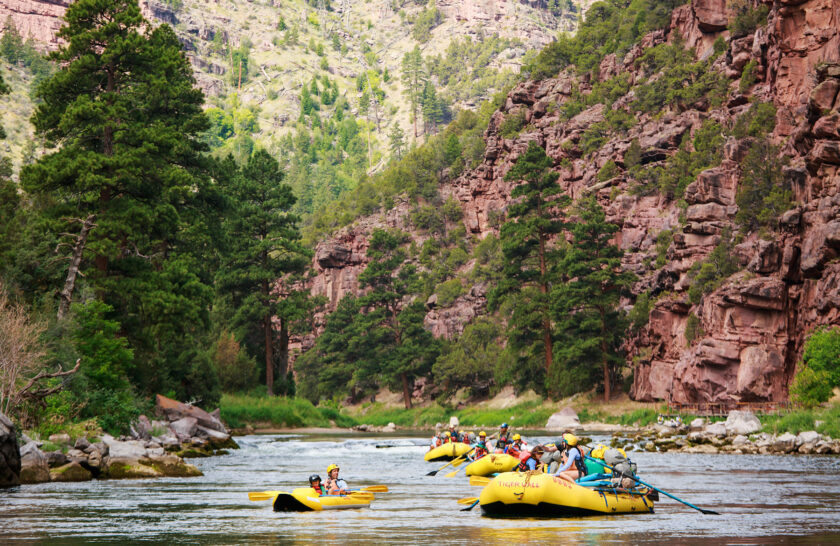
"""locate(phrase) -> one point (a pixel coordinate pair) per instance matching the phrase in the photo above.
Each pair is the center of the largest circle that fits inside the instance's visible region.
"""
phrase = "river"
(779, 499)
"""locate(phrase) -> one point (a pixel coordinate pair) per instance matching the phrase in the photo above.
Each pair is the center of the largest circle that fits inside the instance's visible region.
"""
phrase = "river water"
(778, 499)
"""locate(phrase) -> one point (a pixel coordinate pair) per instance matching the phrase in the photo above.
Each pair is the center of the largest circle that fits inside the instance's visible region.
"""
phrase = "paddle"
(479, 480)
(656, 488)
(433, 472)
(472, 501)
(452, 474)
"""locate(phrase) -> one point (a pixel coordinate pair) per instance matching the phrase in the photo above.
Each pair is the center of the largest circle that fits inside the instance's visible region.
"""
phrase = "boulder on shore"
(150, 467)
(34, 467)
(566, 418)
(71, 472)
(742, 422)
(174, 410)
(9, 453)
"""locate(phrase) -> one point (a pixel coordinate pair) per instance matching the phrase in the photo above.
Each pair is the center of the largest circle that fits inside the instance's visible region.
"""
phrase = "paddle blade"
(710, 512)
(375, 488)
(433, 472)
(480, 481)
(262, 495)
(452, 474)
(362, 495)
(470, 507)
(467, 500)
(458, 461)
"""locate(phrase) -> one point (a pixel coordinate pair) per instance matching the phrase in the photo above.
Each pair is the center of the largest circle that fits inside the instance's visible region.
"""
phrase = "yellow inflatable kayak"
(529, 494)
(447, 452)
(304, 499)
(491, 464)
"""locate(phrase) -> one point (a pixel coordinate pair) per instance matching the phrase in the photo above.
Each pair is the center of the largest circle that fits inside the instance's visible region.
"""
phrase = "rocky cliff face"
(753, 326)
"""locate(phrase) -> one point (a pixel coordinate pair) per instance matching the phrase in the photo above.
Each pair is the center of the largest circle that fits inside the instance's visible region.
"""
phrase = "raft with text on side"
(447, 452)
(532, 494)
(304, 499)
(491, 464)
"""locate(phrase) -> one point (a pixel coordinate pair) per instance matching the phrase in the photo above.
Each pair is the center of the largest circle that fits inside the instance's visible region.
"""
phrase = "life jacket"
(480, 451)
(321, 490)
(580, 466)
(502, 442)
(523, 460)
(513, 450)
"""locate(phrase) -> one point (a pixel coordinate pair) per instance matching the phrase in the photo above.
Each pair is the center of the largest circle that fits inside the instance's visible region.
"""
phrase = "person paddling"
(334, 485)
(479, 447)
(504, 438)
(516, 447)
(528, 460)
(574, 467)
(315, 483)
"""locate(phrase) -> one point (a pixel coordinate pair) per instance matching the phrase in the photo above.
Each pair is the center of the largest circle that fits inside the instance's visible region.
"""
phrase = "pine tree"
(398, 342)
(414, 80)
(585, 308)
(130, 176)
(396, 140)
(264, 246)
(534, 218)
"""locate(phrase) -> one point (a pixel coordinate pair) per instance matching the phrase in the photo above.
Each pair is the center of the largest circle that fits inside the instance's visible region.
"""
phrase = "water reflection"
(761, 498)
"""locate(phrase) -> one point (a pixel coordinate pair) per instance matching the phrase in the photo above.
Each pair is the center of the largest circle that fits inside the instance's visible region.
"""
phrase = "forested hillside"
(646, 207)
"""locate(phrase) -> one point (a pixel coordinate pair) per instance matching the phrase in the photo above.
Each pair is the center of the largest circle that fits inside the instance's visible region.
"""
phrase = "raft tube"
(491, 464)
(544, 495)
(447, 452)
(304, 499)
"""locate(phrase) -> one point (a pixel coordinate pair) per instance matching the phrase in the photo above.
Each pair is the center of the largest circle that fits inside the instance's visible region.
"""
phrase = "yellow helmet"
(570, 439)
(447, 434)
(460, 432)
(516, 437)
(482, 433)
(331, 468)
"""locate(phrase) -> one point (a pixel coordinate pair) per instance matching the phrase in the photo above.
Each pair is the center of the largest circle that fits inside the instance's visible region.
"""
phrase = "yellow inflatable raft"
(530, 494)
(304, 499)
(447, 452)
(492, 464)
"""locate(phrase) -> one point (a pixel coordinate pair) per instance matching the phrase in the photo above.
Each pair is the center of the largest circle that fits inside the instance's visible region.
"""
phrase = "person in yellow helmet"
(574, 466)
(333, 484)
(479, 447)
(516, 446)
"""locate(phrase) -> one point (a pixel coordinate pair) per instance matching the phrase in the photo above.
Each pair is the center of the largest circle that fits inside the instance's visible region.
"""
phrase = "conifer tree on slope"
(534, 218)
(125, 115)
(399, 348)
(264, 246)
(590, 324)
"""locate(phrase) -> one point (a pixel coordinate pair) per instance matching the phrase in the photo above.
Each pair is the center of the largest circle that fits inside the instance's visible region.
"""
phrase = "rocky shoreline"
(154, 449)
(740, 434)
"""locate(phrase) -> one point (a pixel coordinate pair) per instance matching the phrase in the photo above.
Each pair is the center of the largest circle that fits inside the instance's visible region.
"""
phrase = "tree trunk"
(406, 392)
(549, 349)
(73, 270)
(607, 381)
(283, 350)
(269, 356)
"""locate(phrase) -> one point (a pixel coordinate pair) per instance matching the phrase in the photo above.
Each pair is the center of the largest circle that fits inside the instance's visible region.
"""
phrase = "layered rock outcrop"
(751, 329)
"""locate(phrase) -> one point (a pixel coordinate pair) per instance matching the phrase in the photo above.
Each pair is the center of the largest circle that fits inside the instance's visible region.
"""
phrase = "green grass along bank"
(249, 412)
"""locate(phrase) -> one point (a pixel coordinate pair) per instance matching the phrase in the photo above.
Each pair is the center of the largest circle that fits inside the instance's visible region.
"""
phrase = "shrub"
(758, 121)
(512, 124)
(640, 314)
(763, 193)
(425, 22)
(748, 76)
(608, 171)
(448, 292)
(693, 328)
(746, 18)
(236, 370)
(663, 243)
(707, 275)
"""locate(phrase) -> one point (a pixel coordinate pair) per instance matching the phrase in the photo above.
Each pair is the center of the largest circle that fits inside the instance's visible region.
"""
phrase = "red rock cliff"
(753, 326)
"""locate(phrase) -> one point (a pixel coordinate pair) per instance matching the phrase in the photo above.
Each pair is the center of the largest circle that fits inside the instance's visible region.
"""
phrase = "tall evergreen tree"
(534, 219)
(585, 308)
(264, 246)
(396, 140)
(414, 80)
(129, 175)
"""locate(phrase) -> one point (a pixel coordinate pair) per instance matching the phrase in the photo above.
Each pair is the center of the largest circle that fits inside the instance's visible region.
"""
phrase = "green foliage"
(804, 420)
(746, 18)
(532, 414)
(640, 314)
(757, 122)
(693, 328)
(396, 141)
(239, 63)
(590, 324)
(608, 171)
(236, 370)
(513, 123)
(679, 82)
(15, 51)
(237, 410)
(682, 168)
(707, 275)
(425, 22)
(633, 155)
(663, 243)
(464, 71)
(471, 360)
(748, 76)
(819, 372)
(610, 26)
(448, 291)
(763, 193)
